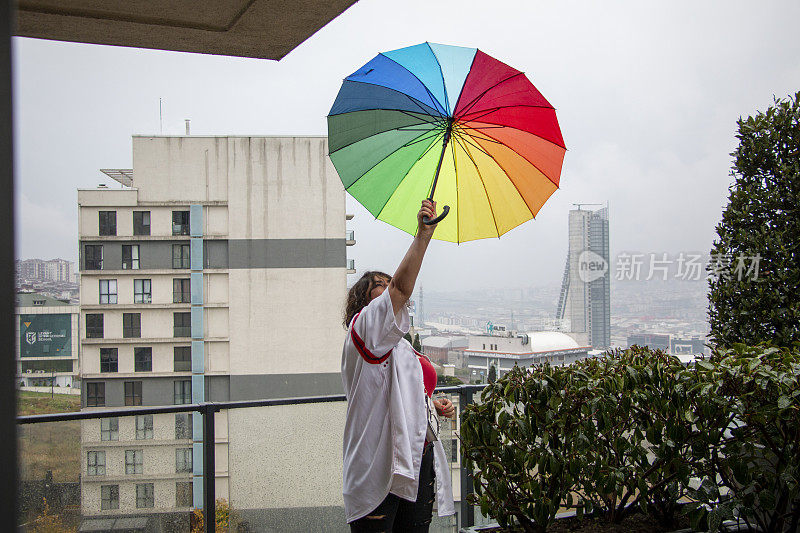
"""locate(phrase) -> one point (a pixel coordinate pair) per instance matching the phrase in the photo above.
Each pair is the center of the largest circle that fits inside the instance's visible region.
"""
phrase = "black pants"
(396, 515)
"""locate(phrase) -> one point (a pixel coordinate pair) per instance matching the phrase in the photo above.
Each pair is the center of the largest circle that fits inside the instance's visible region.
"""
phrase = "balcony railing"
(110, 431)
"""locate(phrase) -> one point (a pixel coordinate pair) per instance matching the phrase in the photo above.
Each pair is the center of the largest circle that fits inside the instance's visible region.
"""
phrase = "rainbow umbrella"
(452, 124)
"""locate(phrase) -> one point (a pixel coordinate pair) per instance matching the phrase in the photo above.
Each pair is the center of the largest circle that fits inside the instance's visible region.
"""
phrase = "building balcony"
(351, 266)
(350, 238)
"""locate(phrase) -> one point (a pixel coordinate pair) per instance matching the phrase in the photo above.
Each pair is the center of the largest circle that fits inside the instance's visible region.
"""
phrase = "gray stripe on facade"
(152, 254)
(234, 253)
(286, 253)
(262, 386)
(157, 390)
(160, 390)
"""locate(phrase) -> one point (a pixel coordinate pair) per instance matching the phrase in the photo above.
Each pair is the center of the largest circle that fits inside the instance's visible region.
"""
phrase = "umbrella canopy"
(431, 110)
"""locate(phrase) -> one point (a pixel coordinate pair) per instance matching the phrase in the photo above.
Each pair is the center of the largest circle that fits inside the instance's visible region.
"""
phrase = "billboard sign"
(45, 335)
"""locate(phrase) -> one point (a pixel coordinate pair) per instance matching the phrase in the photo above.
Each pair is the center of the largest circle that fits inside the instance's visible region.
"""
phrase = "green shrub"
(748, 399)
(639, 420)
(523, 438)
(636, 430)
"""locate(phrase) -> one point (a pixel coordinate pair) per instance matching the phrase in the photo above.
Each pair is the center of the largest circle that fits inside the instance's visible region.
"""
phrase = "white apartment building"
(216, 272)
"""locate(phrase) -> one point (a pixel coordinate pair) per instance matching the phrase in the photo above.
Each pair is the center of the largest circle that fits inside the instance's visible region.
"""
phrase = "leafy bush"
(639, 421)
(749, 399)
(523, 438)
(629, 431)
(225, 518)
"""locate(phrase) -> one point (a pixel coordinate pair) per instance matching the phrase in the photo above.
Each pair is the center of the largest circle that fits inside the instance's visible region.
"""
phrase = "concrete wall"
(294, 454)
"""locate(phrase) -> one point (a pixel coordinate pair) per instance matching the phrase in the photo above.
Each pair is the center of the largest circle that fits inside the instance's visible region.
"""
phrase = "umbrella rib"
(436, 120)
(404, 177)
(477, 98)
(483, 112)
(419, 139)
(509, 177)
(399, 128)
(525, 158)
(474, 145)
(485, 191)
(414, 100)
(444, 83)
(436, 100)
(376, 164)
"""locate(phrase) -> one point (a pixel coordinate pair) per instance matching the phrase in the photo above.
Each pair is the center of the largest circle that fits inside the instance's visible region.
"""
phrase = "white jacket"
(384, 433)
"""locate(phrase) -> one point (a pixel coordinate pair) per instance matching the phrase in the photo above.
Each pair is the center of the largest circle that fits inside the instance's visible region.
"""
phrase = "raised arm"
(402, 285)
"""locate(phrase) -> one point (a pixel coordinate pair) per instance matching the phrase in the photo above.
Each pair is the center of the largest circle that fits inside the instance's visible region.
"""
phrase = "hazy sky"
(647, 95)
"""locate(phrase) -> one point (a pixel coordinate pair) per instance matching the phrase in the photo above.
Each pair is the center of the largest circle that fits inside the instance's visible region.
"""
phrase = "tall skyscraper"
(585, 299)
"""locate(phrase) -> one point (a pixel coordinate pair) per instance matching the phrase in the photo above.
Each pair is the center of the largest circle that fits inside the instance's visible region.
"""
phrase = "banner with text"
(45, 335)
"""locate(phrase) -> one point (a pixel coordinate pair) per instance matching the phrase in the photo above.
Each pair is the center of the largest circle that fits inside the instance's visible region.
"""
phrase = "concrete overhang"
(266, 29)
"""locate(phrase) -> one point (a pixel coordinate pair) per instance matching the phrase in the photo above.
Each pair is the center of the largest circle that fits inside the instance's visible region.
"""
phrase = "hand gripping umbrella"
(452, 124)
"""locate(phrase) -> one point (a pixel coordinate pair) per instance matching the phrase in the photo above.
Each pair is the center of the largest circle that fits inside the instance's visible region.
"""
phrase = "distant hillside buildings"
(41, 270)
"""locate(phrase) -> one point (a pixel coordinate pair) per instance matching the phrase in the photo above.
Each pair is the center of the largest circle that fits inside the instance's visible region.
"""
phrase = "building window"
(141, 222)
(182, 324)
(143, 359)
(130, 257)
(144, 495)
(133, 393)
(108, 222)
(181, 291)
(108, 291)
(133, 461)
(144, 427)
(182, 358)
(183, 460)
(95, 463)
(109, 429)
(180, 222)
(131, 325)
(109, 497)
(180, 256)
(93, 257)
(182, 392)
(141, 291)
(109, 359)
(183, 426)
(94, 326)
(95, 394)
(183, 494)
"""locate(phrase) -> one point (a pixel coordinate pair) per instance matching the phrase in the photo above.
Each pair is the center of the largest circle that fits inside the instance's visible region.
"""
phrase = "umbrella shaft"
(441, 158)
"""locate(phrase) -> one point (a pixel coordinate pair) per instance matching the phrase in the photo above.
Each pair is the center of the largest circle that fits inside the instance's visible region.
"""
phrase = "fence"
(207, 411)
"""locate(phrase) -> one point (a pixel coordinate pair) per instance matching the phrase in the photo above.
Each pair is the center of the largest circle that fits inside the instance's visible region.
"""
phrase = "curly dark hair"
(358, 295)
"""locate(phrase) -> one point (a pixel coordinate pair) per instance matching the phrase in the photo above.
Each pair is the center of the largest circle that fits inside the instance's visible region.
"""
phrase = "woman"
(391, 470)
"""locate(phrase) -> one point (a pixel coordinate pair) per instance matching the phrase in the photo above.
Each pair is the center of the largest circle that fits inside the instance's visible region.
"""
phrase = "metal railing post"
(465, 395)
(209, 467)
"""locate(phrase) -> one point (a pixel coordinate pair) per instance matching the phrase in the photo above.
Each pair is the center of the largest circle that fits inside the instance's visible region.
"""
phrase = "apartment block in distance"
(215, 272)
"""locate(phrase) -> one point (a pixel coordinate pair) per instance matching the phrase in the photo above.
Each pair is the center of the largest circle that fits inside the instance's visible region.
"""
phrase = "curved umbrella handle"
(429, 222)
